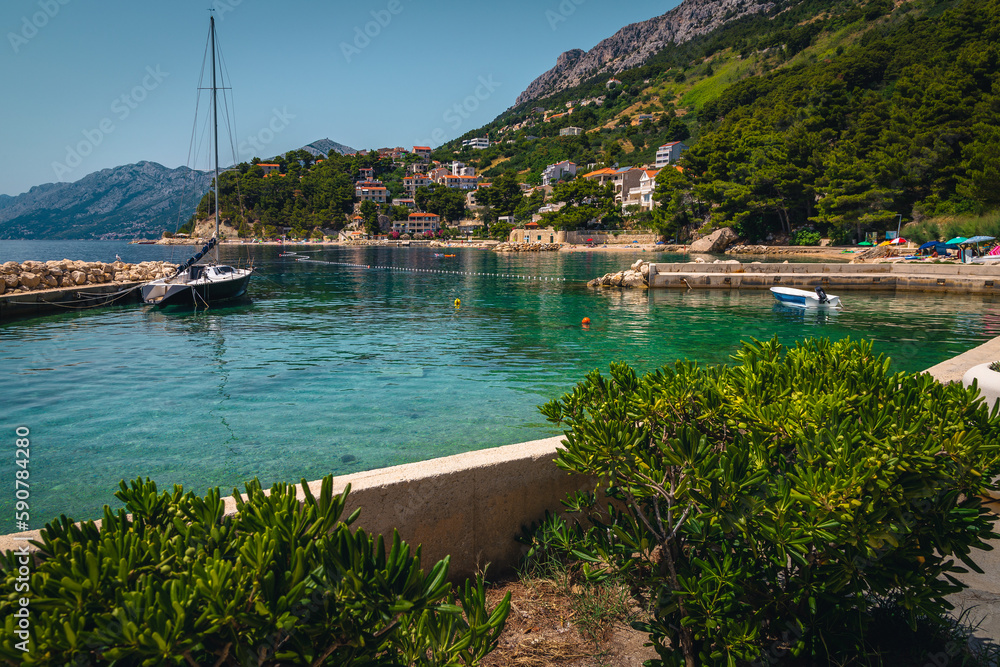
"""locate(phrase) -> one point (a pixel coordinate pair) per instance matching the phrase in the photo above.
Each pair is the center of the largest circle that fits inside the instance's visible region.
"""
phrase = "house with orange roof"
(602, 176)
(418, 223)
(411, 183)
(438, 174)
(423, 152)
(269, 167)
(642, 194)
(372, 192)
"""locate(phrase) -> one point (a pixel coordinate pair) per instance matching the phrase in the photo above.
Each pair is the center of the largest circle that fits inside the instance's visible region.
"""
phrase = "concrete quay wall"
(470, 506)
(958, 278)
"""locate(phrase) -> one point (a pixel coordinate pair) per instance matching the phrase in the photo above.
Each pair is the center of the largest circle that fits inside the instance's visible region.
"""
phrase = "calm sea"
(337, 369)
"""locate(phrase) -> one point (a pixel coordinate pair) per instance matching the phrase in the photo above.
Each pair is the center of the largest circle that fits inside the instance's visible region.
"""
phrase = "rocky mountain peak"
(634, 44)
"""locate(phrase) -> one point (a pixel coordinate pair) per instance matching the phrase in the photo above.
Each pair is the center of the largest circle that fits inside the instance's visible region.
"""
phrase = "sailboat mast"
(215, 138)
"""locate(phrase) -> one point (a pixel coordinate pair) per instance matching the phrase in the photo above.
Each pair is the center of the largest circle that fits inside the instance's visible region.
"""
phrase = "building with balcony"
(669, 153)
(477, 143)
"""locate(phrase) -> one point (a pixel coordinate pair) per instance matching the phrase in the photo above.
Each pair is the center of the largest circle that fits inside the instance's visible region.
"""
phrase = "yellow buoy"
(458, 303)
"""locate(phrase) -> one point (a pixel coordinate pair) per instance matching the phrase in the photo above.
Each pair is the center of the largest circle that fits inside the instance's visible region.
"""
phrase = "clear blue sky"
(297, 67)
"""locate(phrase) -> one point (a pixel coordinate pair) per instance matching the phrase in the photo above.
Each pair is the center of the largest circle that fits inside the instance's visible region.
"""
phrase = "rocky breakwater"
(527, 247)
(33, 276)
(636, 276)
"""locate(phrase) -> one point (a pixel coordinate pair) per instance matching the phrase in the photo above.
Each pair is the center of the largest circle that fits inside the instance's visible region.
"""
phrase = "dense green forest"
(844, 117)
(841, 117)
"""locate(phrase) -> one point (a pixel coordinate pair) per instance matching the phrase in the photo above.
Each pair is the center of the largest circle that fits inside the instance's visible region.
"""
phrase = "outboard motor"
(821, 294)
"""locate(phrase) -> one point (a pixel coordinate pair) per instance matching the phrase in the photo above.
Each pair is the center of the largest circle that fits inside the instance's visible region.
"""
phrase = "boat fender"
(821, 293)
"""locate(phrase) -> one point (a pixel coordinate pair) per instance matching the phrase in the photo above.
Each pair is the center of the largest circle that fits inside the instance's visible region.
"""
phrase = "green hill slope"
(840, 116)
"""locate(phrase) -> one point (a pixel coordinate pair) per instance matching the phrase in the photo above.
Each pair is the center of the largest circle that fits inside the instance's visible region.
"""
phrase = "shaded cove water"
(337, 369)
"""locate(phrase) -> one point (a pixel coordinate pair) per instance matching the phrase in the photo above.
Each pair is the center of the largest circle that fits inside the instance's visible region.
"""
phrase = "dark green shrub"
(784, 500)
(283, 581)
(806, 237)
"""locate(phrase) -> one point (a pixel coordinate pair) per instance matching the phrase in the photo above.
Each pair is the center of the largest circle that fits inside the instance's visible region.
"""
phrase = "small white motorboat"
(800, 298)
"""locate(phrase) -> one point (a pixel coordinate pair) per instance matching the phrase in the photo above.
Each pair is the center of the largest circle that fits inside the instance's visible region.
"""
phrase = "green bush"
(787, 500)
(283, 581)
(806, 237)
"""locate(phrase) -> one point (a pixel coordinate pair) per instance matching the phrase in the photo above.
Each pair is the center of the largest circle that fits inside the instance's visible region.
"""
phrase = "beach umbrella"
(865, 243)
(899, 240)
(956, 240)
(883, 243)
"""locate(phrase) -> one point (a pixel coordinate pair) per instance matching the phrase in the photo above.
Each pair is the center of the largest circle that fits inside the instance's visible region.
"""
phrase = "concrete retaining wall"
(470, 506)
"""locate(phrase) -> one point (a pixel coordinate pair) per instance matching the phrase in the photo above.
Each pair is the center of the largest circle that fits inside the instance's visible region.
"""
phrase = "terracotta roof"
(424, 215)
(268, 164)
(421, 148)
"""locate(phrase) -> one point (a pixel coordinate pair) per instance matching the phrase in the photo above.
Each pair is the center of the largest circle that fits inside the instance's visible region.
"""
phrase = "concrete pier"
(917, 277)
(15, 305)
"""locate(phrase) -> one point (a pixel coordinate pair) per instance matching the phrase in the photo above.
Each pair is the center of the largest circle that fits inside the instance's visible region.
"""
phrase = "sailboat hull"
(162, 293)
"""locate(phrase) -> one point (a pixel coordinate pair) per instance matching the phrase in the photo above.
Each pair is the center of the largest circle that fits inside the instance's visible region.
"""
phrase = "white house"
(459, 169)
(570, 131)
(669, 153)
(554, 172)
(477, 143)
(642, 194)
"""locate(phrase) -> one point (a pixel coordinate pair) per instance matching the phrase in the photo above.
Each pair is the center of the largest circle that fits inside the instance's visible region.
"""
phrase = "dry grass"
(555, 622)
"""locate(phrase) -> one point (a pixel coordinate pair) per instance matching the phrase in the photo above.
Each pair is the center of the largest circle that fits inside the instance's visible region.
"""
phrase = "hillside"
(841, 117)
(135, 200)
(634, 44)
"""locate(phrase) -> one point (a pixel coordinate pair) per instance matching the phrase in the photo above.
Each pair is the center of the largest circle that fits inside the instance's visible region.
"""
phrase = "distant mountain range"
(634, 44)
(134, 200)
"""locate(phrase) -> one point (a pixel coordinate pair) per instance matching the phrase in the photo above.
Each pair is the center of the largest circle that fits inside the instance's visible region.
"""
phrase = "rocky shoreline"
(35, 276)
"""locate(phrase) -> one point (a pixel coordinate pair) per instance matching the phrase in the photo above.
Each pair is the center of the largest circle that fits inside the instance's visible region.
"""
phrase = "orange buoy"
(586, 322)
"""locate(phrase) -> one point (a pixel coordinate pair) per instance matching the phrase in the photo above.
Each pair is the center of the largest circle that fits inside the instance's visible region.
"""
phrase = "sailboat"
(195, 283)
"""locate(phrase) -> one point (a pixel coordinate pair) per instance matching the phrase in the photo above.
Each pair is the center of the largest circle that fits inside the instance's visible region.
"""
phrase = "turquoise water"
(336, 369)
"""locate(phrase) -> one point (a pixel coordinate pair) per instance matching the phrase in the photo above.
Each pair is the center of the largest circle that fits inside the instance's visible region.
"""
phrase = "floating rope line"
(379, 267)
